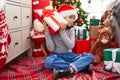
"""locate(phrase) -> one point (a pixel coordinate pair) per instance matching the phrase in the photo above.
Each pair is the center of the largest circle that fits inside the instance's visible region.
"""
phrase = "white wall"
(96, 7)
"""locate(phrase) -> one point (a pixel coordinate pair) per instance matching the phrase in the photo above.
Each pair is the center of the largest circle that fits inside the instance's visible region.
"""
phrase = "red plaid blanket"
(33, 69)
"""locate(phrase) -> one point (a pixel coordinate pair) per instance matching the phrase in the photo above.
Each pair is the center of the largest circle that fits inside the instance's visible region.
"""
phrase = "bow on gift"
(47, 12)
(115, 66)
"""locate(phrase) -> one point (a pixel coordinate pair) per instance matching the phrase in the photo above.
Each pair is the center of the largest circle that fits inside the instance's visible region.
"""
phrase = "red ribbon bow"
(48, 12)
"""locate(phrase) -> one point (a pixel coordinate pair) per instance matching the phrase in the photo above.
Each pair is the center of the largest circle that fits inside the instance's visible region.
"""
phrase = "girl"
(62, 60)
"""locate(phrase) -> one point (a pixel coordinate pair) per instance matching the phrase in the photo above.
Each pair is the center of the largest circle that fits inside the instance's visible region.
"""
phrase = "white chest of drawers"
(19, 18)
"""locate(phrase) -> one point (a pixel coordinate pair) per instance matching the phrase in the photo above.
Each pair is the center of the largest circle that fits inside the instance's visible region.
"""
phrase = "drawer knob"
(15, 17)
(16, 43)
(27, 16)
(28, 37)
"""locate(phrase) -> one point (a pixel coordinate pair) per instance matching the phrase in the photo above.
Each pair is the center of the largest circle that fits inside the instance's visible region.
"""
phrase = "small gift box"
(81, 33)
(94, 22)
(112, 60)
(81, 46)
(94, 31)
(52, 18)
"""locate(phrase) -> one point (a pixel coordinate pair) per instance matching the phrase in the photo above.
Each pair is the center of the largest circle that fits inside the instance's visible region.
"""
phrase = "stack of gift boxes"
(111, 55)
(82, 43)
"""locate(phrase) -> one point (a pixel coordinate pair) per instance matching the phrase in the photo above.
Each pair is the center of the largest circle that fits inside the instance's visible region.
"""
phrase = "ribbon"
(115, 66)
(47, 12)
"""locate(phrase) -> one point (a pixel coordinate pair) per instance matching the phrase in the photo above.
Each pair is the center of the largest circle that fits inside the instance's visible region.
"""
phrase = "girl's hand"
(63, 27)
(46, 27)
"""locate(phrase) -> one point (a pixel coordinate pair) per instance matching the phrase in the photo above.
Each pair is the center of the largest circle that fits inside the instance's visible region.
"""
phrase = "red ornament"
(55, 2)
(80, 21)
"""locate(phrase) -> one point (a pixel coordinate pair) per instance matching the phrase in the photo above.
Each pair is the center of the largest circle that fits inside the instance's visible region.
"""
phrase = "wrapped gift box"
(81, 46)
(94, 34)
(81, 33)
(94, 22)
(52, 18)
(112, 60)
(94, 31)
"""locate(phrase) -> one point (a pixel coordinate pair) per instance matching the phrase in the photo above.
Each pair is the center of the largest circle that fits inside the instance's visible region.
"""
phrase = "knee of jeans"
(91, 57)
(49, 60)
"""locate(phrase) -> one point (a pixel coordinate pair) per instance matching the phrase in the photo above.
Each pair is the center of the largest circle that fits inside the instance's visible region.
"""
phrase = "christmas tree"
(82, 15)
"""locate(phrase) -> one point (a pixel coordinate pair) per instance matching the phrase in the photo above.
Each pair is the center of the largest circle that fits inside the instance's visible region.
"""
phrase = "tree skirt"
(32, 68)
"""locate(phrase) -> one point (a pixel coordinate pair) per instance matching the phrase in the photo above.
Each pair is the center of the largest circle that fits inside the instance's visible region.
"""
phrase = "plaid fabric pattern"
(101, 74)
(33, 69)
(24, 69)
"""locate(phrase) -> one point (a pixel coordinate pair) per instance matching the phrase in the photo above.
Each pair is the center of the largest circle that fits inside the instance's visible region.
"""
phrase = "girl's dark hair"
(69, 27)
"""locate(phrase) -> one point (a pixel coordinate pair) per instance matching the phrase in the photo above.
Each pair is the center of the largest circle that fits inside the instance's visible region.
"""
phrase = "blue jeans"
(64, 60)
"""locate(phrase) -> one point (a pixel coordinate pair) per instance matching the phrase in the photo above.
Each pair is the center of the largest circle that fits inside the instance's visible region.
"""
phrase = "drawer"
(26, 38)
(29, 2)
(13, 15)
(26, 16)
(15, 45)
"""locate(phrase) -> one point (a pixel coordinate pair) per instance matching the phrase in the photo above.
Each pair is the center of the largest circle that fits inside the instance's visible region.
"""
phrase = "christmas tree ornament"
(80, 21)
(55, 2)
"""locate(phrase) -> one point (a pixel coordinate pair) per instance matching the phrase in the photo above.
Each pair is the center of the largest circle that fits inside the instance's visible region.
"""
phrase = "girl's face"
(70, 20)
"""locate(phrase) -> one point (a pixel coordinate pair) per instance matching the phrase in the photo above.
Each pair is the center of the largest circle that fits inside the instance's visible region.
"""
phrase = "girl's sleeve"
(69, 41)
(49, 42)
